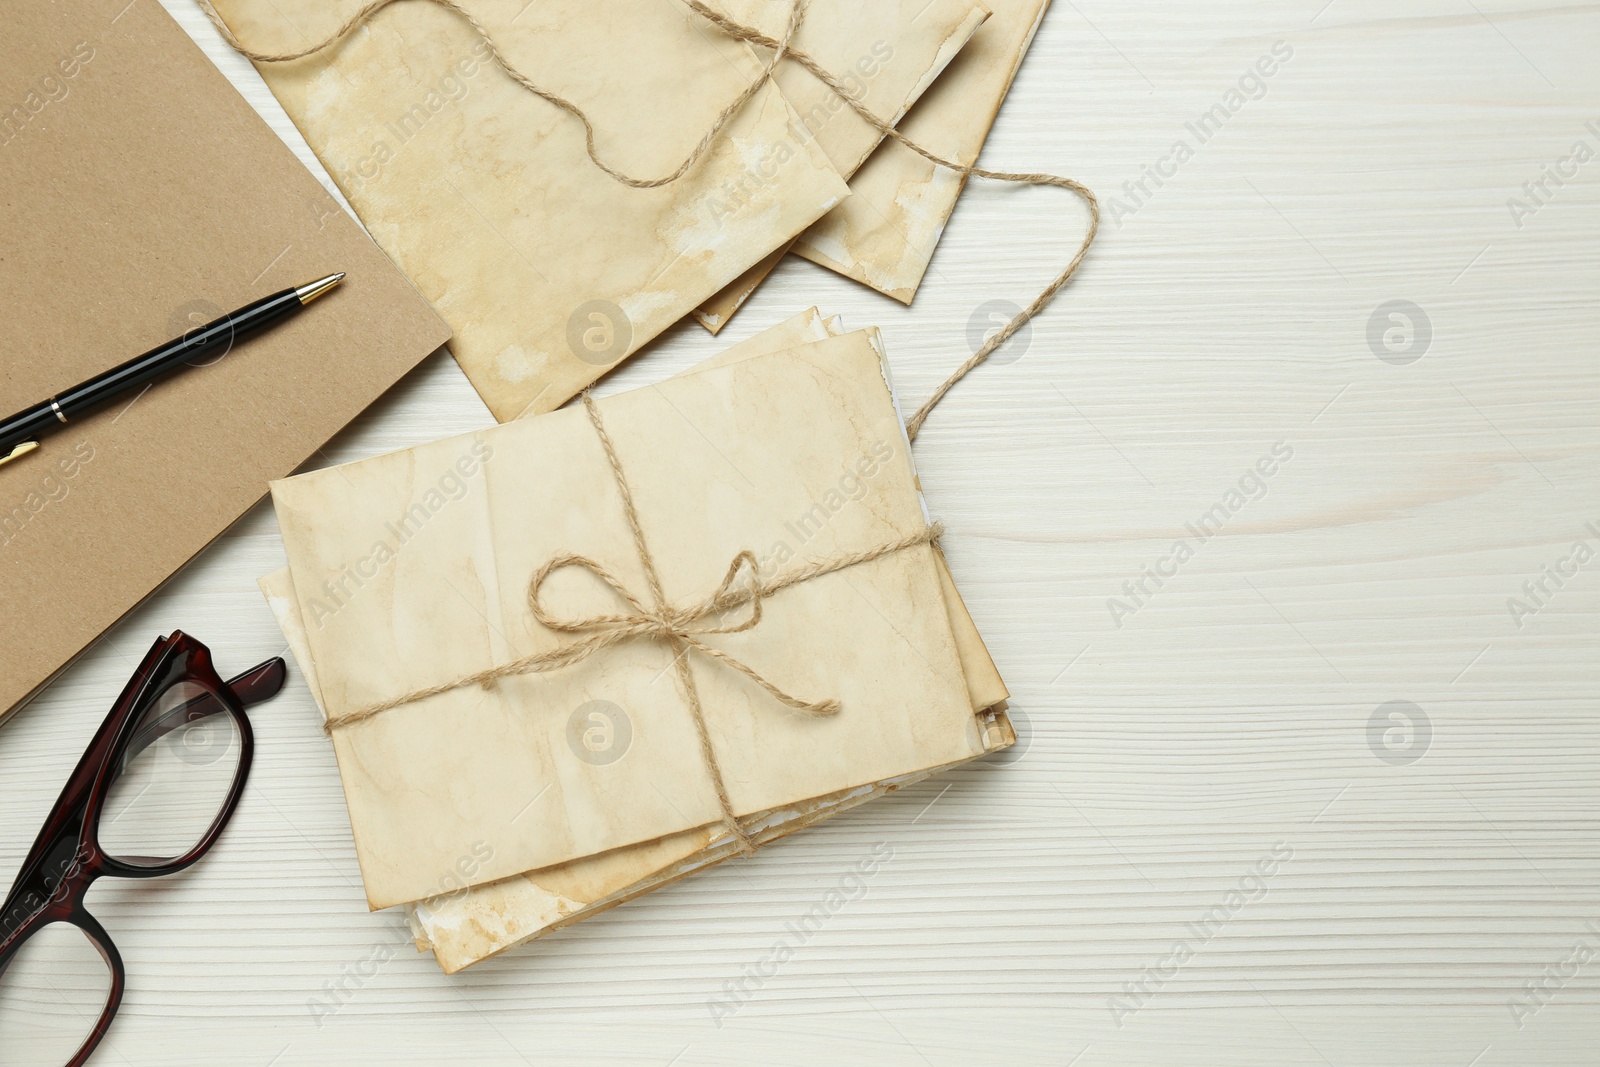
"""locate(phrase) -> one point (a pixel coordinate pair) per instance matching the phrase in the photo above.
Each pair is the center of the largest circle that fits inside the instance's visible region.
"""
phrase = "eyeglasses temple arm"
(260, 683)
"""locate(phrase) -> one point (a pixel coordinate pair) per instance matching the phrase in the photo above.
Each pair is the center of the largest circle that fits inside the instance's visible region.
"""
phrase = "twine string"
(843, 92)
(780, 48)
(366, 13)
(743, 586)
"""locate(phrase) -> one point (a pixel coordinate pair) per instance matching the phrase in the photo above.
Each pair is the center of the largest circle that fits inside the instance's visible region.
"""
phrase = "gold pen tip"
(311, 290)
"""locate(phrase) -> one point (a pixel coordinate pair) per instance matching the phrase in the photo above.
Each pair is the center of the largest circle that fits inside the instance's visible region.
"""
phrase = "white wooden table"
(1397, 887)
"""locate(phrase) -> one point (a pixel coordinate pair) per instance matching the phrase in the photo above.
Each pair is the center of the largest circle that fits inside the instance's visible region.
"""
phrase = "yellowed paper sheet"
(888, 51)
(885, 234)
(549, 271)
(403, 587)
(715, 312)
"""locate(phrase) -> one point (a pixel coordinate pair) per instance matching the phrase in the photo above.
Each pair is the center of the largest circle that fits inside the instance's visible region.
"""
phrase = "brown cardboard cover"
(140, 196)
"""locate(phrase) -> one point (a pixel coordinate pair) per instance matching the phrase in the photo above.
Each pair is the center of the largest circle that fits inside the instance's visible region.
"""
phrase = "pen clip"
(20, 451)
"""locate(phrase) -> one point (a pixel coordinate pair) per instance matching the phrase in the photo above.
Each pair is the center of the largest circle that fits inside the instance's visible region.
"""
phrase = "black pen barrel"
(27, 425)
(212, 339)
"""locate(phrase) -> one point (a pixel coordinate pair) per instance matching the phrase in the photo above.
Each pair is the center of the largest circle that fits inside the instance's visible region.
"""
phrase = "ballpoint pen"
(20, 434)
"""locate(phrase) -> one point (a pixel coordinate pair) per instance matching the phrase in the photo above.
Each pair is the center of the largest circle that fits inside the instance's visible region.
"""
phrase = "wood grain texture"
(1226, 717)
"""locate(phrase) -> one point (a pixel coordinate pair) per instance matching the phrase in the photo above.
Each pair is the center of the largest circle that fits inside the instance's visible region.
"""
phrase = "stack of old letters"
(569, 659)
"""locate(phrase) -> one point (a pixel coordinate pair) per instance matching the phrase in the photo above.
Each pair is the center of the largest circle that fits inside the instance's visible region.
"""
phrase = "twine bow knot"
(741, 587)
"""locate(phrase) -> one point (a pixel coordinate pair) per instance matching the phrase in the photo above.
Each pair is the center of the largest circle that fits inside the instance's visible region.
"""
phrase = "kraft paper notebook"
(465, 927)
(142, 196)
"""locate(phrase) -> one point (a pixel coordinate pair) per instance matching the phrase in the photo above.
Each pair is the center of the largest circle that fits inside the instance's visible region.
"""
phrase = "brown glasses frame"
(67, 857)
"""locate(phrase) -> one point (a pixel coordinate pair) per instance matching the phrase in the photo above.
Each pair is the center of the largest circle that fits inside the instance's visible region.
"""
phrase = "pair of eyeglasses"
(151, 796)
